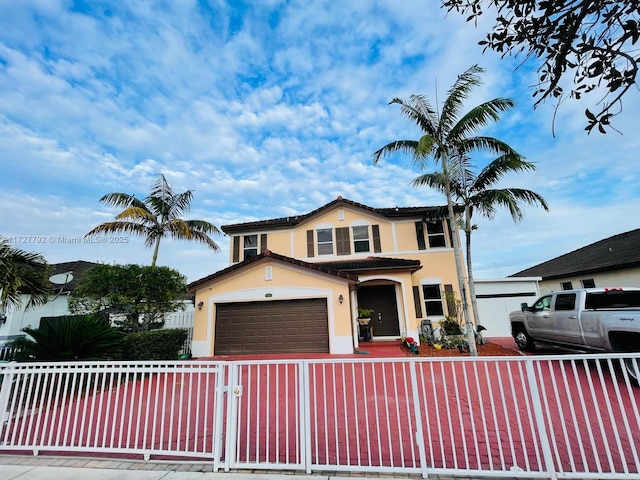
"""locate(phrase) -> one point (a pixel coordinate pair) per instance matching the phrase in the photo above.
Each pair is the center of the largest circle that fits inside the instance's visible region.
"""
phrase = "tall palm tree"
(157, 216)
(448, 137)
(473, 193)
(22, 272)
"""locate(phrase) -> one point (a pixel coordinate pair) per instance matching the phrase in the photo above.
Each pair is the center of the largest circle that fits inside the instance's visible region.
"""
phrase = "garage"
(279, 326)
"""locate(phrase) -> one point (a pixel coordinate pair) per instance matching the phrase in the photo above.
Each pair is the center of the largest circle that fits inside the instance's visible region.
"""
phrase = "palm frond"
(399, 146)
(121, 200)
(499, 167)
(204, 238)
(139, 214)
(419, 111)
(456, 96)
(203, 227)
(120, 227)
(478, 117)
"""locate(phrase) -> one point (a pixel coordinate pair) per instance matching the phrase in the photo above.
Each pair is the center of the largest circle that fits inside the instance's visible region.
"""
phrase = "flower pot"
(364, 321)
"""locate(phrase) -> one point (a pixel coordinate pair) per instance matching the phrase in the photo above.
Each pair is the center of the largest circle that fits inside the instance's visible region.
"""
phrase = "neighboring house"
(64, 278)
(294, 283)
(612, 262)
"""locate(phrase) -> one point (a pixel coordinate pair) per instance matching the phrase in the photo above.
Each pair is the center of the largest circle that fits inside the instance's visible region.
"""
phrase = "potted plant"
(364, 315)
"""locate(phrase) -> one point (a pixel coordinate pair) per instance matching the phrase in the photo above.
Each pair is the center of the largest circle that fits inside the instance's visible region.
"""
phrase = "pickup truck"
(589, 319)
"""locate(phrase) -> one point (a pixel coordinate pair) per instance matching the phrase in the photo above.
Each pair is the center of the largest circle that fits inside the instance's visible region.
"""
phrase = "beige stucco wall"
(287, 282)
(627, 277)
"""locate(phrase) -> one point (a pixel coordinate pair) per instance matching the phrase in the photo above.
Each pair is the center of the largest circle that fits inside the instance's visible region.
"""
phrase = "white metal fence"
(570, 416)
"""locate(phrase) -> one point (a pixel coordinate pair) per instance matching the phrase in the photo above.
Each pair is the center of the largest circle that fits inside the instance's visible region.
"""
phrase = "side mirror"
(524, 307)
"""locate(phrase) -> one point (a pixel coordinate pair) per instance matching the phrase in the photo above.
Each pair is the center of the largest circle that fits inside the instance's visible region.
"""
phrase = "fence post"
(305, 416)
(419, 435)
(6, 381)
(235, 391)
(538, 413)
(218, 426)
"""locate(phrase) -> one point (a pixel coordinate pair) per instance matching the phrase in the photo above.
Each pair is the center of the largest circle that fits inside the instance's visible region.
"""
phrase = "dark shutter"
(263, 242)
(236, 248)
(375, 229)
(450, 297)
(309, 243)
(343, 243)
(420, 236)
(416, 301)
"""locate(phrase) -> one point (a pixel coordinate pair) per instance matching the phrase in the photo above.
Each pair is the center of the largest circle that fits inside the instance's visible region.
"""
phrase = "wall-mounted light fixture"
(200, 305)
(341, 299)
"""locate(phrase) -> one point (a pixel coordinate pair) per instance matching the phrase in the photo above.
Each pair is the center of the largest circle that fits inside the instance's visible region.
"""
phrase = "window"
(588, 283)
(543, 304)
(566, 301)
(566, 286)
(361, 239)
(435, 232)
(250, 246)
(432, 300)
(325, 241)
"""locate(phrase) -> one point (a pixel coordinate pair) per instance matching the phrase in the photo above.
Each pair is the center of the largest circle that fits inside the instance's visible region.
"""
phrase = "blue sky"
(268, 109)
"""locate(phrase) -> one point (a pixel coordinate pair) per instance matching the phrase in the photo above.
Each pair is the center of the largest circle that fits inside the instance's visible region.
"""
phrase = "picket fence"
(569, 416)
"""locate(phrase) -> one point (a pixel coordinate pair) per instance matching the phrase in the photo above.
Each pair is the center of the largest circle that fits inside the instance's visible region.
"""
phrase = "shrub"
(68, 338)
(450, 326)
(155, 344)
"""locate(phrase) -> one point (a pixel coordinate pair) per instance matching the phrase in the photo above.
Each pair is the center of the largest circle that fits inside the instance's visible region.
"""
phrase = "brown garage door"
(280, 326)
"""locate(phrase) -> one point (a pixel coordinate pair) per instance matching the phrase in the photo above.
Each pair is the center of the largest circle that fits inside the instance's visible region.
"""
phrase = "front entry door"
(382, 300)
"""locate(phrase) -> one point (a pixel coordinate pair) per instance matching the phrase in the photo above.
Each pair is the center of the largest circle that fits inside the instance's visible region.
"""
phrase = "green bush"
(155, 344)
(450, 326)
(68, 338)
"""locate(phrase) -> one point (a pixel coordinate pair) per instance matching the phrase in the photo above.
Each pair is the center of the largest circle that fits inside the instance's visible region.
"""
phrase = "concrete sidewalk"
(16, 467)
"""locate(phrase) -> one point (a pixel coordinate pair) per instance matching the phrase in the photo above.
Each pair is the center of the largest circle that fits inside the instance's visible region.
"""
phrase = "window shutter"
(343, 243)
(375, 230)
(263, 242)
(420, 236)
(236, 249)
(416, 301)
(309, 243)
(449, 296)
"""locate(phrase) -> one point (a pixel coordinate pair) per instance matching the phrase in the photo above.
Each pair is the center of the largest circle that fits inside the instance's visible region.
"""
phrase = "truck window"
(613, 299)
(543, 304)
(566, 301)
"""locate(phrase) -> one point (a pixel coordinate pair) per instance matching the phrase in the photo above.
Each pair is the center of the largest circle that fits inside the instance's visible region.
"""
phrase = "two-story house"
(294, 283)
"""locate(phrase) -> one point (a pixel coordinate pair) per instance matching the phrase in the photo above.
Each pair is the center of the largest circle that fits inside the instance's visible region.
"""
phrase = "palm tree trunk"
(155, 252)
(471, 340)
(472, 287)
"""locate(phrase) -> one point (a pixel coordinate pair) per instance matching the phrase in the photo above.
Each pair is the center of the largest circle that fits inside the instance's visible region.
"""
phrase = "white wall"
(17, 319)
(626, 277)
(498, 297)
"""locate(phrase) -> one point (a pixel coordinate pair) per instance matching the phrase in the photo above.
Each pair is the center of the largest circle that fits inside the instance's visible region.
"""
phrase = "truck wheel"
(632, 368)
(524, 341)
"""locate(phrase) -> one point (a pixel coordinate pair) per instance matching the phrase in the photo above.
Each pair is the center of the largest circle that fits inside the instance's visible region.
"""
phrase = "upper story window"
(435, 232)
(250, 246)
(361, 239)
(325, 241)
(588, 283)
(432, 232)
(247, 246)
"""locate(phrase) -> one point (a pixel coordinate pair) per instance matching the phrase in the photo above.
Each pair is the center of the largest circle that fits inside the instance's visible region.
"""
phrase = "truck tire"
(524, 341)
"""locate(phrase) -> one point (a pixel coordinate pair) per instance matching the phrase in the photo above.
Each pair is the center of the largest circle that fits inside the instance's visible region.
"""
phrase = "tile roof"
(618, 251)
(372, 263)
(276, 256)
(284, 222)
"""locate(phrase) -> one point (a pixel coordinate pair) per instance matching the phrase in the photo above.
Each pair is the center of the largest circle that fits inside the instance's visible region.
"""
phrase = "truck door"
(538, 322)
(564, 318)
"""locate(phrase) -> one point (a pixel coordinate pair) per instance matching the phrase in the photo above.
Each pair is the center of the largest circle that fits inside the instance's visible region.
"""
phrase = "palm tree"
(473, 193)
(22, 272)
(157, 216)
(447, 138)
